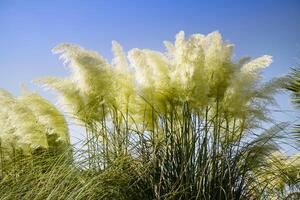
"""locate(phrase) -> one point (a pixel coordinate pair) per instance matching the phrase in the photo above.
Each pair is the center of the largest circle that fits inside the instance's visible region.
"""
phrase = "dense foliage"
(182, 124)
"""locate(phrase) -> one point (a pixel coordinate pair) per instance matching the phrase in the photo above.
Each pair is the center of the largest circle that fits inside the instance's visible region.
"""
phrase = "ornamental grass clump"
(30, 126)
(180, 124)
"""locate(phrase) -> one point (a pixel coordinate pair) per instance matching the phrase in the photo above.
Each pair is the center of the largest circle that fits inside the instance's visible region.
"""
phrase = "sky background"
(30, 29)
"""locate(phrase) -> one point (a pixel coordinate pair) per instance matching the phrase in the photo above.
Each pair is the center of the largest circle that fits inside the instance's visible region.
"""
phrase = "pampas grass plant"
(180, 124)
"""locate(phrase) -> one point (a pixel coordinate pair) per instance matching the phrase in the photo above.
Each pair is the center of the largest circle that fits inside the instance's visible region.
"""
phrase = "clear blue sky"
(29, 29)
